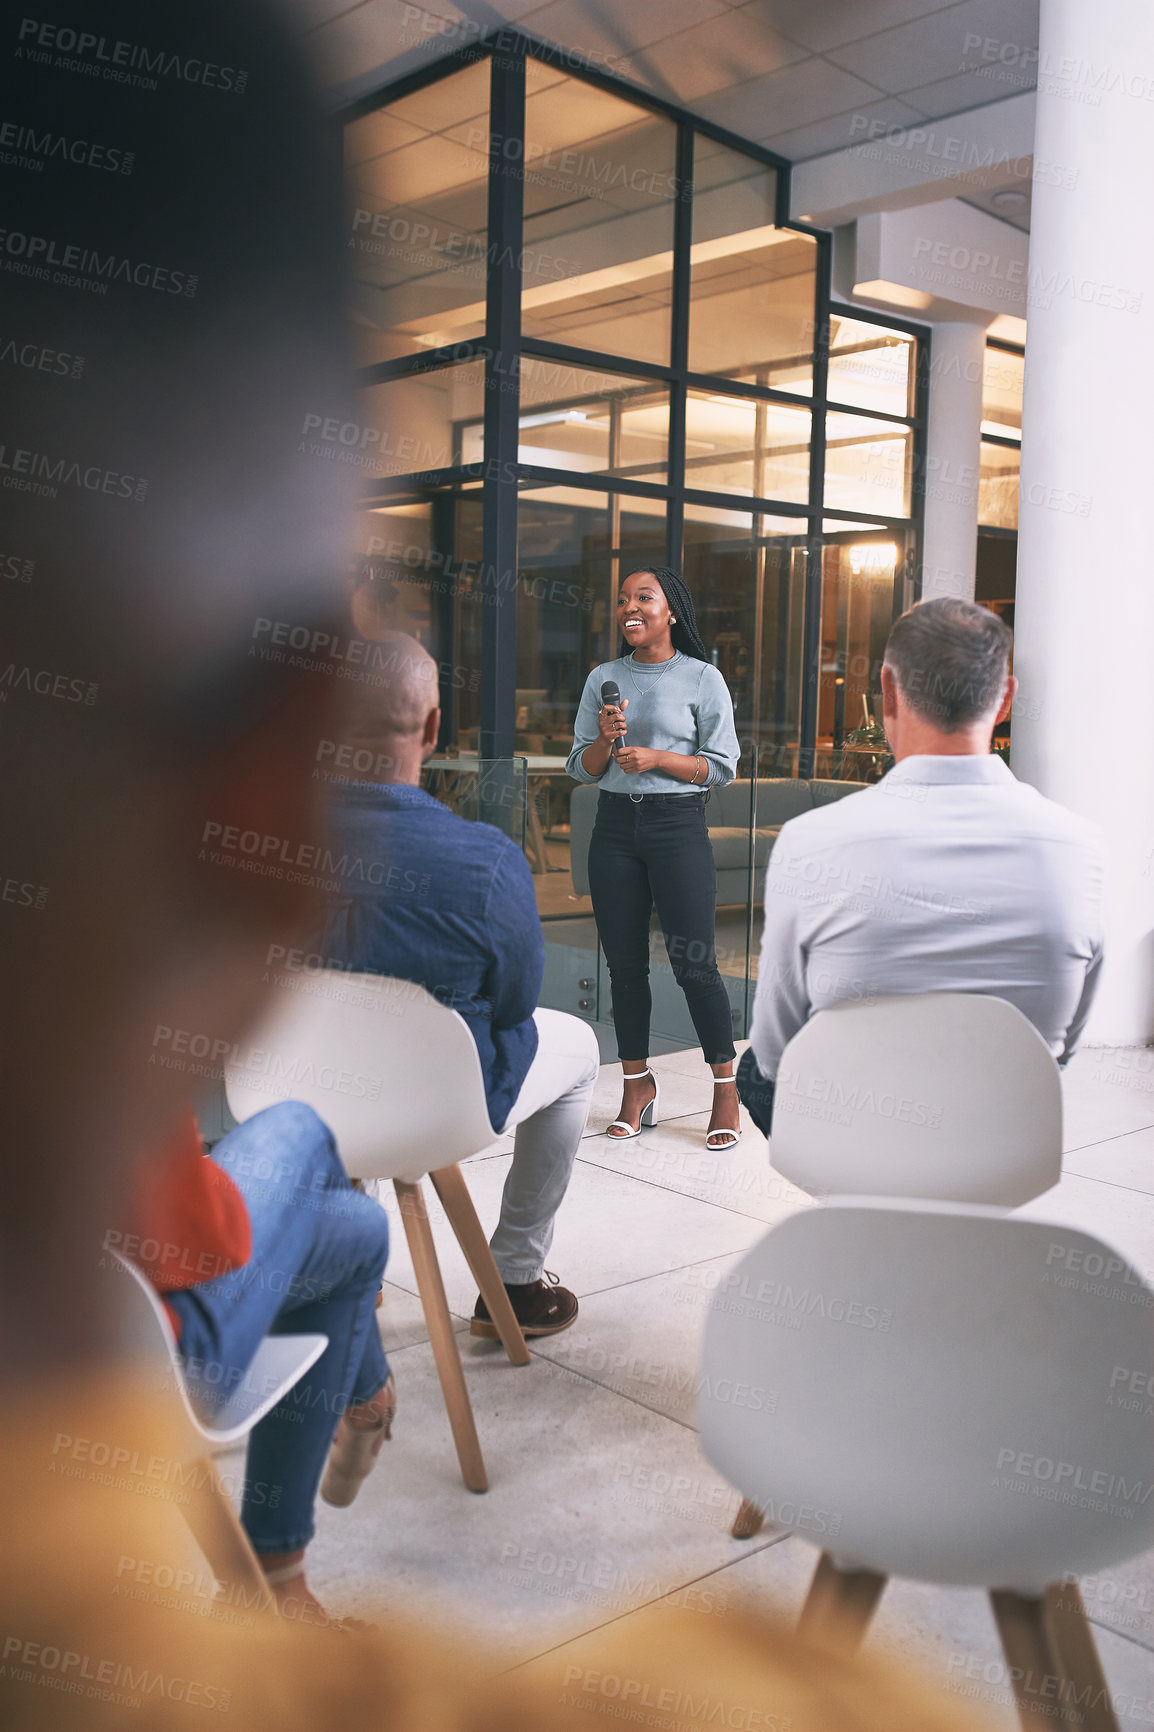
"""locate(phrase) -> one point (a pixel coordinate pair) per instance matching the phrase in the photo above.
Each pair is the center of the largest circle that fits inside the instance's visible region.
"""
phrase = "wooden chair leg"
(1084, 1691)
(441, 1337)
(840, 1604)
(748, 1520)
(216, 1529)
(449, 1184)
(1030, 1657)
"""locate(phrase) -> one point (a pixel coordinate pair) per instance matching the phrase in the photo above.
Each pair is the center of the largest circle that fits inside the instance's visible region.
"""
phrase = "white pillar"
(1083, 730)
(953, 454)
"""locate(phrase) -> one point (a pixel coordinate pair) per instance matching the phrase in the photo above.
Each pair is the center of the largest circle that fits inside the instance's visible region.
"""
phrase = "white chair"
(940, 1392)
(947, 1095)
(280, 1362)
(397, 1079)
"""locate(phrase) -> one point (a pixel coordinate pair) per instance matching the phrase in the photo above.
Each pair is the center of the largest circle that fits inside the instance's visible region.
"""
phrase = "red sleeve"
(193, 1221)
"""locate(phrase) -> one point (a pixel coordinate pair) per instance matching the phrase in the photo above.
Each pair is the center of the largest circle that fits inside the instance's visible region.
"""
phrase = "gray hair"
(950, 659)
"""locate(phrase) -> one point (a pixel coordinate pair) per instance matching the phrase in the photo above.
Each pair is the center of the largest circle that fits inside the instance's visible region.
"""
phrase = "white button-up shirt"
(949, 875)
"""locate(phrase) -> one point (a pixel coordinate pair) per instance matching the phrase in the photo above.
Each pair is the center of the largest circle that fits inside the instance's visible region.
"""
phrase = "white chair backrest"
(235, 1403)
(394, 1074)
(937, 1392)
(948, 1095)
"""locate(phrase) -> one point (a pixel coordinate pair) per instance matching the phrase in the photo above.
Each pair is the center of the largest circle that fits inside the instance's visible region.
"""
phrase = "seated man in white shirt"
(948, 876)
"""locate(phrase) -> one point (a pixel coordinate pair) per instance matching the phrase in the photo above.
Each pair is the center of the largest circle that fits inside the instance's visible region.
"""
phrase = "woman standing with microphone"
(655, 729)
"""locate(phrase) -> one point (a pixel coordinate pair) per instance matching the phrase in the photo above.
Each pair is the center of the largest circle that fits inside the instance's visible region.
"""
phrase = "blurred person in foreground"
(949, 875)
(455, 911)
(159, 511)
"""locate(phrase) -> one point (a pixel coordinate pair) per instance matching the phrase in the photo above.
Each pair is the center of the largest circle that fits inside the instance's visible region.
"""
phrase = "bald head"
(396, 713)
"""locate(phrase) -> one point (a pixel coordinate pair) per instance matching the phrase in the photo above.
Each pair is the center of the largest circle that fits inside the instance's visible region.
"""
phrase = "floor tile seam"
(623, 1395)
(412, 1293)
(632, 1611)
(617, 1286)
(694, 1263)
(407, 1346)
(502, 1358)
(1114, 1184)
(611, 1389)
(689, 1196)
(1099, 1142)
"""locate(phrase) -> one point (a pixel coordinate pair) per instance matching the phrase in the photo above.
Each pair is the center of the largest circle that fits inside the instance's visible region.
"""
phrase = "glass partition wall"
(1001, 464)
(592, 341)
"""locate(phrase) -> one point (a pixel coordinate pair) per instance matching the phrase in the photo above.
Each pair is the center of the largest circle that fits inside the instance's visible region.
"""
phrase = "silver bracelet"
(701, 765)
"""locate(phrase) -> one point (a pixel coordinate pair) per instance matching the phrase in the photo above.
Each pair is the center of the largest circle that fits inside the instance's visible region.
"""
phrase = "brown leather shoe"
(540, 1307)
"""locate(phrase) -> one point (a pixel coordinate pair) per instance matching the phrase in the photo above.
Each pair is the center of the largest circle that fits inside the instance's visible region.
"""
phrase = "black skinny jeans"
(651, 852)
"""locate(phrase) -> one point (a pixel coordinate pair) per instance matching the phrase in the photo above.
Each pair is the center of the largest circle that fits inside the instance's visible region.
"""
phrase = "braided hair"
(684, 635)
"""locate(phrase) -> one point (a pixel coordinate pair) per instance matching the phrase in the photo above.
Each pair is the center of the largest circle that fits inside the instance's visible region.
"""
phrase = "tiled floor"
(601, 1504)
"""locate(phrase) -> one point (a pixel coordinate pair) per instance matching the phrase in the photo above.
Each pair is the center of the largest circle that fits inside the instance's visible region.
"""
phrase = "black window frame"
(501, 473)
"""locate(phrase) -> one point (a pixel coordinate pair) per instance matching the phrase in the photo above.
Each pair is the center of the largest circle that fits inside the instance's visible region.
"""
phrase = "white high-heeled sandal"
(648, 1112)
(734, 1136)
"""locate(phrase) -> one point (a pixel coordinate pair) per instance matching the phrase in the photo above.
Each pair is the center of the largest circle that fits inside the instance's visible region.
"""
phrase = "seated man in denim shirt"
(451, 906)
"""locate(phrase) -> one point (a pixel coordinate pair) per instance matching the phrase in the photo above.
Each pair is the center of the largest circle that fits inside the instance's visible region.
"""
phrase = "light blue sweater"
(685, 708)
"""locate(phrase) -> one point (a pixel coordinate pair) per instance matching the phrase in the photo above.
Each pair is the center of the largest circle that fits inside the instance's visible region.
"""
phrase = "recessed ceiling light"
(1011, 198)
(552, 418)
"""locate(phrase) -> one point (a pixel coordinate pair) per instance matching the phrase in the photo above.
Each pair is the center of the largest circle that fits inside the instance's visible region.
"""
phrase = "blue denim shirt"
(450, 905)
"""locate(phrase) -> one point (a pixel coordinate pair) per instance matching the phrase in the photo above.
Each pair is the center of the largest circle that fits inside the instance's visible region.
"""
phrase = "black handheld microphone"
(611, 694)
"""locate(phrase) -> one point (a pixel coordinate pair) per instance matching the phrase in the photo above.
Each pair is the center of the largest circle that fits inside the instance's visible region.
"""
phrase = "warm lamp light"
(875, 558)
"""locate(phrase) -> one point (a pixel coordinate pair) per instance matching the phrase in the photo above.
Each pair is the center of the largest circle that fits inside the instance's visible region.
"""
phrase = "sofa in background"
(728, 815)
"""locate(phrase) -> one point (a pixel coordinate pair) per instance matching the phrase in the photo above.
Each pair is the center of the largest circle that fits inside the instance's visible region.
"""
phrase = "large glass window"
(600, 189)
(998, 479)
(867, 465)
(870, 366)
(857, 610)
(412, 425)
(746, 445)
(574, 546)
(998, 488)
(1002, 380)
(747, 574)
(585, 419)
(752, 284)
(419, 570)
(1001, 459)
(417, 174)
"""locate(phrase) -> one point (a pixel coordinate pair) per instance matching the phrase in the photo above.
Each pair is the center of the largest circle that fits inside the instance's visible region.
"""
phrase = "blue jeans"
(318, 1255)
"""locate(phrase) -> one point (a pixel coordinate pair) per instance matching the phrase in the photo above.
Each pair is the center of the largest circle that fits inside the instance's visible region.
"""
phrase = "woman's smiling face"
(643, 615)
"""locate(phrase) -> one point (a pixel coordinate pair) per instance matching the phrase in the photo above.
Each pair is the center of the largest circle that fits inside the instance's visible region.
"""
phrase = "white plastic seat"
(397, 1079)
(280, 1362)
(936, 1391)
(947, 1095)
